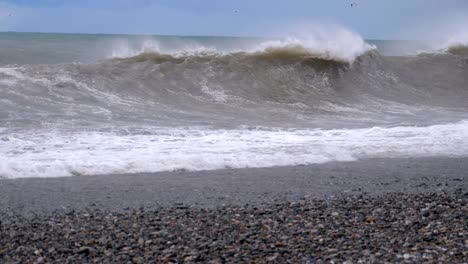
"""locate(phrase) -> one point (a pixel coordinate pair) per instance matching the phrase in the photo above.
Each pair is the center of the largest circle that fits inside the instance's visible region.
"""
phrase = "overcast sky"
(382, 19)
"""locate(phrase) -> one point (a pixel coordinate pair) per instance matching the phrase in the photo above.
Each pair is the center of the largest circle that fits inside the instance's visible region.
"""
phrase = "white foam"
(15, 75)
(455, 35)
(442, 34)
(337, 44)
(60, 154)
(331, 43)
(456, 40)
(12, 72)
(218, 96)
(124, 49)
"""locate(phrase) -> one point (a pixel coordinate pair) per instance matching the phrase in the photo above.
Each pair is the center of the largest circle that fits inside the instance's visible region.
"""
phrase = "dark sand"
(210, 189)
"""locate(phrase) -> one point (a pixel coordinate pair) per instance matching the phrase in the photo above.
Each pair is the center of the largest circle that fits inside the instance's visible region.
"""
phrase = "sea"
(83, 104)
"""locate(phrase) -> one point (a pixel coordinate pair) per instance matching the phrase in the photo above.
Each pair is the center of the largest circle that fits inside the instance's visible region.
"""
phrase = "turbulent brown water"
(286, 88)
(276, 103)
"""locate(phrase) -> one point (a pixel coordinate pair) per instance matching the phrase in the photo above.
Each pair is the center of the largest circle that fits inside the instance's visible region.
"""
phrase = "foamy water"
(58, 154)
(87, 105)
(335, 44)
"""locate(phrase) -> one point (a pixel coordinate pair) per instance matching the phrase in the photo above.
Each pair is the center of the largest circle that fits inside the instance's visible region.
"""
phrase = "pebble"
(390, 228)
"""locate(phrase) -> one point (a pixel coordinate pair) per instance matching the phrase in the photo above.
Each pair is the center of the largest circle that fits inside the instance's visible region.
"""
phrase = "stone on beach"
(428, 227)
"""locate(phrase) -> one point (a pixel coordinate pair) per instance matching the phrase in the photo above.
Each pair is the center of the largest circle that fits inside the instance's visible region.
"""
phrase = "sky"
(377, 19)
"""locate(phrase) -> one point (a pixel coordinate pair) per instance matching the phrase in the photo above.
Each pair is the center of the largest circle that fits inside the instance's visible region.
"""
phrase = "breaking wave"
(344, 46)
(453, 38)
(457, 44)
(458, 50)
(191, 105)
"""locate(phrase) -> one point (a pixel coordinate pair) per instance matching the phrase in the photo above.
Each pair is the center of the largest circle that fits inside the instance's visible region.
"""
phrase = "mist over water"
(98, 104)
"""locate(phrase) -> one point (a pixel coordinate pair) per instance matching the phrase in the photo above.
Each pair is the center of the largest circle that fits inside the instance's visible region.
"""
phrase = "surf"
(120, 104)
(94, 153)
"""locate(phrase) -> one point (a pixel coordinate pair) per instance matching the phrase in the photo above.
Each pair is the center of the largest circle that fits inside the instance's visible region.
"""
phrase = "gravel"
(405, 228)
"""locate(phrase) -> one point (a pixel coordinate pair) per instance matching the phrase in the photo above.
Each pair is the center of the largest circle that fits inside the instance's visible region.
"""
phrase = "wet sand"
(259, 186)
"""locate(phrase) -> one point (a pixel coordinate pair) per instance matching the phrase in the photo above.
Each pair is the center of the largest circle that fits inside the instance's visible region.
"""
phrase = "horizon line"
(173, 35)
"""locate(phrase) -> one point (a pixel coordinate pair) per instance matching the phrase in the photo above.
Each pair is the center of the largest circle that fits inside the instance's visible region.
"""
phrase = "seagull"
(353, 4)
(236, 11)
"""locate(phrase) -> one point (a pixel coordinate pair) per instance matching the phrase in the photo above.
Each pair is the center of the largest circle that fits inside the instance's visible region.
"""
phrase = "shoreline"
(255, 186)
(378, 210)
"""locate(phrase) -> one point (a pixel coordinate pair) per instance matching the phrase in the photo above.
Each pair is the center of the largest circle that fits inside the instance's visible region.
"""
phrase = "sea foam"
(90, 153)
(335, 44)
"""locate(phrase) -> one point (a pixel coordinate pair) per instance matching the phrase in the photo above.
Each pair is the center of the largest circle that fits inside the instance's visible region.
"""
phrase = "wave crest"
(344, 48)
(458, 50)
(456, 42)
(287, 54)
(341, 46)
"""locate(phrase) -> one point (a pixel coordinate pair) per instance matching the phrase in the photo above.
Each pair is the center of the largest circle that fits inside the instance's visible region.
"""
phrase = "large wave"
(285, 102)
(458, 50)
(338, 45)
(272, 88)
(457, 43)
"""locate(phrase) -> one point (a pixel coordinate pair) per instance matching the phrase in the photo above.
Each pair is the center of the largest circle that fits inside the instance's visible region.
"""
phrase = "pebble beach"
(401, 228)
(397, 212)
(231, 132)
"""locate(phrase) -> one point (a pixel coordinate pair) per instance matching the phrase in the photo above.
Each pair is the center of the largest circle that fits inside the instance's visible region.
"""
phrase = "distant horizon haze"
(372, 19)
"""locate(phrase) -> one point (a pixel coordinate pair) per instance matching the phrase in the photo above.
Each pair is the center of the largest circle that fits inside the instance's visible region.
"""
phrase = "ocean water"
(75, 104)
